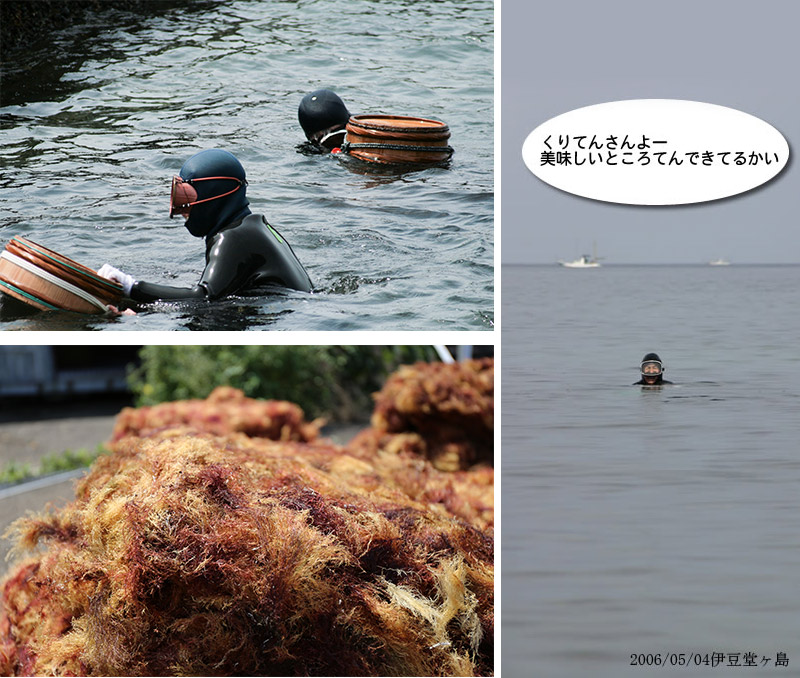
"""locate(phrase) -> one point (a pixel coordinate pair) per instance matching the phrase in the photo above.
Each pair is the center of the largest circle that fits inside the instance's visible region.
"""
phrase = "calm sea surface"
(646, 521)
(96, 118)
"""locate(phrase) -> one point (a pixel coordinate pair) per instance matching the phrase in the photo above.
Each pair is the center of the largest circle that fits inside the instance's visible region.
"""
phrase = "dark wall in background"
(87, 357)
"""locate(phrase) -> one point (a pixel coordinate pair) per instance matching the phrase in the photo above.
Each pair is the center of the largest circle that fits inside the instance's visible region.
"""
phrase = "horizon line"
(659, 263)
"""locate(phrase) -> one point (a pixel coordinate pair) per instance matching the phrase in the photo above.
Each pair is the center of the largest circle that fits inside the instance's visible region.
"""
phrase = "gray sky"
(559, 56)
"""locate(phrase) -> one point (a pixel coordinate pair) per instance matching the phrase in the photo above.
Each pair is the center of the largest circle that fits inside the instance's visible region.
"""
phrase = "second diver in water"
(243, 250)
(323, 117)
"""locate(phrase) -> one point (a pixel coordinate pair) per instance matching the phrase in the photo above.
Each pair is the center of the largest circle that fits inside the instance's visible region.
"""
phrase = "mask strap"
(241, 182)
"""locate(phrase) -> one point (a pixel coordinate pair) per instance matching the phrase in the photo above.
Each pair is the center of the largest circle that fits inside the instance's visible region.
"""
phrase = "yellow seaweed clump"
(225, 410)
(443, 412)
(466, 495)
(193, 554)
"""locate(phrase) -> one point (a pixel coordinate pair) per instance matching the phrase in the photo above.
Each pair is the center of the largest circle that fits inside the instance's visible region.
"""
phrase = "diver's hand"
(114, 311)
(108, 271)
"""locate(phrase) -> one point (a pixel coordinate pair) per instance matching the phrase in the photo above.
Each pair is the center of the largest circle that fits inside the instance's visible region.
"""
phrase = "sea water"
(650, 521)
(97, 117)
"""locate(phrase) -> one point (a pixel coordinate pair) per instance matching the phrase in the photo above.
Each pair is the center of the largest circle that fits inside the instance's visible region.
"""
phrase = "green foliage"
(331, 381)
(15, 472)
(69, 459)
(56, 462)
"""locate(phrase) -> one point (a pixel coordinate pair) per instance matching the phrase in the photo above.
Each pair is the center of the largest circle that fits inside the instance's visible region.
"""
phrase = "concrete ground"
(31, 429)
(29, 441)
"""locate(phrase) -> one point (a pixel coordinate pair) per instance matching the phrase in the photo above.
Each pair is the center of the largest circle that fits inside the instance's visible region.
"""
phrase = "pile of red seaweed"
(208, 552)
(226, 410)
(443, 412)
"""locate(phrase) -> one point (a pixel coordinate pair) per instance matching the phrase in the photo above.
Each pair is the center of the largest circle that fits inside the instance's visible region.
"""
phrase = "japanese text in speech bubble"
(655, 152)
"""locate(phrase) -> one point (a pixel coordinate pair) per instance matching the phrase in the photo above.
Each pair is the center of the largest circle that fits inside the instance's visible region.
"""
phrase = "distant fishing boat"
(584, 261)
(719, 262)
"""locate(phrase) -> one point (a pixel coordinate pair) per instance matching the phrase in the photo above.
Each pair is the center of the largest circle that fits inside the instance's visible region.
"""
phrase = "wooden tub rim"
(63, 284)
(32, 298)
(62, 260)
(381, 122)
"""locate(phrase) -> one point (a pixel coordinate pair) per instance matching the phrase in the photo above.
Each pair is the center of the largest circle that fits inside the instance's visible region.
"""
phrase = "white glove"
(108, 271)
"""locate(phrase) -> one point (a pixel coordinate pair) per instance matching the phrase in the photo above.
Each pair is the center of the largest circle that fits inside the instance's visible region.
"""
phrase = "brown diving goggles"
(183, 195)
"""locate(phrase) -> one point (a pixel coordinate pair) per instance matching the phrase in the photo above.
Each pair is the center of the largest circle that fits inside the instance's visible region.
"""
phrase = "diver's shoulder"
(241, 227)
(253, 220)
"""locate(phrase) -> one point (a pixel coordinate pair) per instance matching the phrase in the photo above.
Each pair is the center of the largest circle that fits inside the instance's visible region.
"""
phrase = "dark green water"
(96, 118)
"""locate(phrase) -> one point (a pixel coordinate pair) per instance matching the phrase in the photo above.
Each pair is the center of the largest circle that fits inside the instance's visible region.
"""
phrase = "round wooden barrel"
(48, 280)
(395, 139)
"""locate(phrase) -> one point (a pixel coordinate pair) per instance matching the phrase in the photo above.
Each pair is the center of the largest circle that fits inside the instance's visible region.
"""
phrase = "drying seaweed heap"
(190, 552)
(397, 462)
(226, 410)
(466, 495)
(442, 412)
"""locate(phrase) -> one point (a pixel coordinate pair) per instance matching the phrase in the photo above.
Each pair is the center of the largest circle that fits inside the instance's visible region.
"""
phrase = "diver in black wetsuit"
(652, 371)
(242, 249)
(323, 117)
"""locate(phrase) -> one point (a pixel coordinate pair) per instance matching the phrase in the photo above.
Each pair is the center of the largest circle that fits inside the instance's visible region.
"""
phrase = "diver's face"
(651, 371)
(319, 136)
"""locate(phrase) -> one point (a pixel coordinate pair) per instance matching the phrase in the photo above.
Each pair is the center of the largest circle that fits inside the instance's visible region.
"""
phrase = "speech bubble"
(655, 152)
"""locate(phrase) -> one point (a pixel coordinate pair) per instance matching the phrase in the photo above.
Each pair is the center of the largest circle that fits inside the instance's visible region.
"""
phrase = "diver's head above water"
(323, 117)
(210, 192)
(652, 370)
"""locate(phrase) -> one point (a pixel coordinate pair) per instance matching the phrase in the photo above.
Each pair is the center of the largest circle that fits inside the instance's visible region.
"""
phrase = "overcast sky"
(559, 56)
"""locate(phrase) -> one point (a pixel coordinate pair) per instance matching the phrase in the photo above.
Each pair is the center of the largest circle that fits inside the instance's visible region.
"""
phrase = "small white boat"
(719, 262)
(584, 261)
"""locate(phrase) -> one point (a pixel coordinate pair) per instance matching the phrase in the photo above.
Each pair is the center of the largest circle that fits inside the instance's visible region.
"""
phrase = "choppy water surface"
(647, 521)
(106, 112)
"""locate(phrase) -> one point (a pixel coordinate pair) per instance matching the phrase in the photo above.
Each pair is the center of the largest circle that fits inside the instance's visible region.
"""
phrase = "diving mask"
(183, 195)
